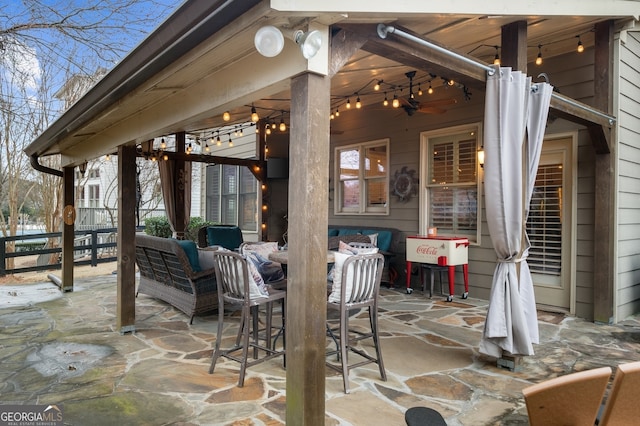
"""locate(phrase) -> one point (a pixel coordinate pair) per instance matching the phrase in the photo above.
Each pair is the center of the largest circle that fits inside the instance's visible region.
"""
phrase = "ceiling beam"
(469, 71)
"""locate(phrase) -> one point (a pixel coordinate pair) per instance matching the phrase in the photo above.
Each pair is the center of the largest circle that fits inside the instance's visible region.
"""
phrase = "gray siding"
(628, 227)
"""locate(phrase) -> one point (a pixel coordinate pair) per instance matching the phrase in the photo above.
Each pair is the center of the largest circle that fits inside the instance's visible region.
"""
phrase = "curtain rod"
(383, 30)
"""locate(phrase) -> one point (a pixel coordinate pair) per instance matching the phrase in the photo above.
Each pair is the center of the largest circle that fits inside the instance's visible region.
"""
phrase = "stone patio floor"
(64, 350)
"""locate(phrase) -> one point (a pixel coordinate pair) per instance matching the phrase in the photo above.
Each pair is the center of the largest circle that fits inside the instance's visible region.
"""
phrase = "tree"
(43, 44)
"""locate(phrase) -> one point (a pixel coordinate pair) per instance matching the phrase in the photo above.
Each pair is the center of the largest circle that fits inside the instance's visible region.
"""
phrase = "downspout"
(44, 169)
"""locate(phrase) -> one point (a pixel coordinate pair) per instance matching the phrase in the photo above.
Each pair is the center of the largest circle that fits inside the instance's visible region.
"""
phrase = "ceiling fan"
(411, 105)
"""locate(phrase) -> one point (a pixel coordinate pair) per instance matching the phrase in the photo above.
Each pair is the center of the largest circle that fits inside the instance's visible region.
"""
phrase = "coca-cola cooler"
(441, 251)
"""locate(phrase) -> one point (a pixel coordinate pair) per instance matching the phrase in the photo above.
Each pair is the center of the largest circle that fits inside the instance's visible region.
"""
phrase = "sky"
(31, 47)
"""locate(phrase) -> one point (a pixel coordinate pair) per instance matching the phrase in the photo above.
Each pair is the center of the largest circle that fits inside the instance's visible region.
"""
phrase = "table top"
(282, 256)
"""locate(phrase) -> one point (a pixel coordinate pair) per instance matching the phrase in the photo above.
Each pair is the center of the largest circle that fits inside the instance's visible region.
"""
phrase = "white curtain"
(512, 106)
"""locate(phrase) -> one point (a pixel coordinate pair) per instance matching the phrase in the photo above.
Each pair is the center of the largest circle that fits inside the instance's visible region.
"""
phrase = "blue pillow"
(333, 232)
(348, 231)
(229, 237)
(191, 250)
(384, 238)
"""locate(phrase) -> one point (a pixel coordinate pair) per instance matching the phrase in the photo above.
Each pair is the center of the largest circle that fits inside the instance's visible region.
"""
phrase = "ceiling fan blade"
(439, 102)
(432, 110)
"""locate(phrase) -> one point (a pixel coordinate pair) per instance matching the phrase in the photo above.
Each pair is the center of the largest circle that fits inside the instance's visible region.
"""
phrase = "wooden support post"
(514, 46)
(307, 268)
(126, 286)
(605, 208)
(68, 228)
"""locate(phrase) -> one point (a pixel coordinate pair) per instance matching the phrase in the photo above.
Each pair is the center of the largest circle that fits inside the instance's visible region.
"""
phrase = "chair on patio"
(573, 399)
(272, 272)
(227, 236)
(237, 288)
(622, 407)
(356, 286)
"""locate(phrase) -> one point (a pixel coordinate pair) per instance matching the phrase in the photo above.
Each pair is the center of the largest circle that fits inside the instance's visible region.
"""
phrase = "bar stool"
(432, 269)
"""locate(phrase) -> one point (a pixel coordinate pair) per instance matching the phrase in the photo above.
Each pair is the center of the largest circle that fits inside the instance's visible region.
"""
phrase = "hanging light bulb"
(496, 59)
(226, 116)
(539, 57)
(267, 130)
(218, 141)
(163, 144)
(419, 90)
(241, 132)
(377, 86)
(450, 82)
(580, 45)
(107, 157)
(348, 104)
(230, 141)
(206, 147)
(358, 103)
(332, 116)
(337, 112)
(254, 114)
(396, 102)
(283, 127)
(430, 89)
(386, 101)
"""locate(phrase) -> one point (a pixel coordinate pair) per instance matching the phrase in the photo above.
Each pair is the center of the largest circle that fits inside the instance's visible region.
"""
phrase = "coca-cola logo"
(428, 250)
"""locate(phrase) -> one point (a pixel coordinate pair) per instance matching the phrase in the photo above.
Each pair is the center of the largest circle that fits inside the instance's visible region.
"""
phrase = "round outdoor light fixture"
(269, 41)
(309, 42)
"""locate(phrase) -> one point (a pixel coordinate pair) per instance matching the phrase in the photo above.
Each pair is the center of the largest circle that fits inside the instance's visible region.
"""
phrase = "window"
(451, 184)
(81, 197)
(232, 196)
(94, 196)
(362, 178)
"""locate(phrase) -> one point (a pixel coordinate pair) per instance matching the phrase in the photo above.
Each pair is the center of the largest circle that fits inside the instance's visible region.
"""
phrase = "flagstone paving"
(64, 351)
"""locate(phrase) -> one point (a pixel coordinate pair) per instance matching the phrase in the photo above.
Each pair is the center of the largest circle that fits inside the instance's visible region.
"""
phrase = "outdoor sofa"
(178, 273)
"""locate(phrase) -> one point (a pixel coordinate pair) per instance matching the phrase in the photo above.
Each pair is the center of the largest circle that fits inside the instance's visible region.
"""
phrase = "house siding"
(627, 79)
(573, 78)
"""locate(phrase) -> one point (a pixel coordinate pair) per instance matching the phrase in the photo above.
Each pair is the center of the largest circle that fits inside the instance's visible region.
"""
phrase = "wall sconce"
(481, 157)
(269, 41)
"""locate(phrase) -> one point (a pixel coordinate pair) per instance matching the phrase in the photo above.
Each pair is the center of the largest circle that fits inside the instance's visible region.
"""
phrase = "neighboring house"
(96, 182)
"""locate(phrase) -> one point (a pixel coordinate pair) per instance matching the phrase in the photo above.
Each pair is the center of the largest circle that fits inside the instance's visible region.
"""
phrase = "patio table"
(282, 256)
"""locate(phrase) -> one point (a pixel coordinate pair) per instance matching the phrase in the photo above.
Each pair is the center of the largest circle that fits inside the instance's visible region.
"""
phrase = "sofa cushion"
(229, 237)
(349, 231)
(333, 232)
(191, 250)
(384, 238)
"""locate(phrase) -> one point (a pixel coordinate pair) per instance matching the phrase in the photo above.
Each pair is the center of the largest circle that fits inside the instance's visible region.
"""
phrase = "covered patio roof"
(202, 61)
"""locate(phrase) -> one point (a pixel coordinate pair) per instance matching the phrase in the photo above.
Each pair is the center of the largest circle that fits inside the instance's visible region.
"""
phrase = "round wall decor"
(405, 184)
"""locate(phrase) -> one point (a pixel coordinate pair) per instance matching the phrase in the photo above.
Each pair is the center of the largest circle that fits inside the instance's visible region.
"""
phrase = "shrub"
(159, 227)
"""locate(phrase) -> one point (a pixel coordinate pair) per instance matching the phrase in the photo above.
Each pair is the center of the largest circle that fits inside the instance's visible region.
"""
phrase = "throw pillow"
(336, 288)
(191, 250)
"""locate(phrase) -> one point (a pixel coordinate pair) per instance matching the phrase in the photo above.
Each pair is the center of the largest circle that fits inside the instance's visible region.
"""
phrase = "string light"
(539, 57)
(496, 59)
(580, 47)
(358, 103)
(430, 89)
(348, 104)
(226, 116)
(377, 86)
(386, 101)
(163, 144)
(396, 102)
(254, 114)
(419, 90)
